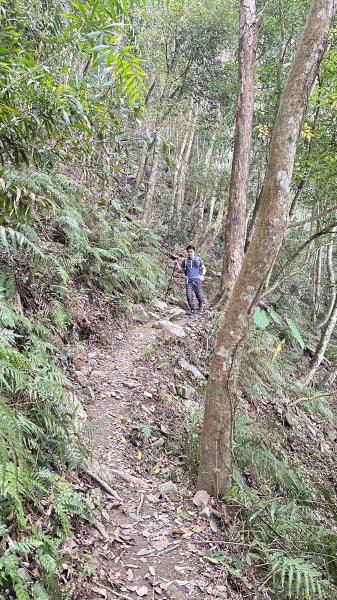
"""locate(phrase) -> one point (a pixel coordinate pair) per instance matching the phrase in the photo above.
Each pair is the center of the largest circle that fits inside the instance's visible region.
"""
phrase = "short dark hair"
(190, 247)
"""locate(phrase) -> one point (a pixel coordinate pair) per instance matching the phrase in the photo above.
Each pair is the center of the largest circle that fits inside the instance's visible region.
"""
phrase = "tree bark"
(184, 168)
(270, 227)
(141, 169)
(331, 278)
(177, 172)
(148, 203)
(236, 215)
(211, 209)
(322, 345)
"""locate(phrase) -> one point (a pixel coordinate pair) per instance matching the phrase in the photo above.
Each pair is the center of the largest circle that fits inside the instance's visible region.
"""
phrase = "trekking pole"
(170, 280)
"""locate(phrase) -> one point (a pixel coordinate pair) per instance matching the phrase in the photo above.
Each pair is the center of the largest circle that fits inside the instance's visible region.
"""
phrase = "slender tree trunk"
(322, 345)
(184, 168)
(317, 283)
(211, 208)
(331, 278)
(270, 228)
(142, 166)
(148, 203)
(236, 215)
(177, 171)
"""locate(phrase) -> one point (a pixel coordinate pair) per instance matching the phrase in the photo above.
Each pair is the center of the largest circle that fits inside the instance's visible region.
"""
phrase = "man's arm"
(202, 269)
(179, 267)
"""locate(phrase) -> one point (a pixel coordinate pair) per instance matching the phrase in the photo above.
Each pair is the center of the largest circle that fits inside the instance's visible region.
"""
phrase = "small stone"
(201, 499)
(184, 391)
(160, 304)
(148, 395)
(175, 313)
(141, 317)
(82, 380)
(173, 329)
(172, 388)
(192, 369)
(290, 418)
(92, 354)
(131, 384)
(119, 336)
(88, 391)
(168, 489)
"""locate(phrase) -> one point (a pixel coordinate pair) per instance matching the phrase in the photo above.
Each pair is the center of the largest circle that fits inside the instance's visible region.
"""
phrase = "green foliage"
(262, 320)
(253, 450)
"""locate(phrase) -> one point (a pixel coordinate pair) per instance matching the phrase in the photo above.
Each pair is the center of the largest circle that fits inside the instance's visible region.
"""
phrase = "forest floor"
(147, 539)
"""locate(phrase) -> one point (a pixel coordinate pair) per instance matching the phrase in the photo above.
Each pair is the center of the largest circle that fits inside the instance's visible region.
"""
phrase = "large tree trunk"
(270, 227)
(236, 216)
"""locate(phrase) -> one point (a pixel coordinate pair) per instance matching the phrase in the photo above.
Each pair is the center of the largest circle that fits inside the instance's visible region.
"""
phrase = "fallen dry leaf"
(100, 591)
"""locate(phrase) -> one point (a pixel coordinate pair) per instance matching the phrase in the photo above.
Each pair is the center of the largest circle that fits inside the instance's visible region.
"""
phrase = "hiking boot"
(193, 314)
(201, 308)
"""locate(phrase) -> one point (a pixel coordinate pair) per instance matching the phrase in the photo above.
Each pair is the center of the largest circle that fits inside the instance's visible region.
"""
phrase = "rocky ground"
(151, 536)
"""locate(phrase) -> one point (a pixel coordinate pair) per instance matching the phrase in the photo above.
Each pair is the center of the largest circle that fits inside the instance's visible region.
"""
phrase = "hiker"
(195, 272)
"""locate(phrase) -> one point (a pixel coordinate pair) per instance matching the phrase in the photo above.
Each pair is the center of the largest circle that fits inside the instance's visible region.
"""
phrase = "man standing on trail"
(195, 272)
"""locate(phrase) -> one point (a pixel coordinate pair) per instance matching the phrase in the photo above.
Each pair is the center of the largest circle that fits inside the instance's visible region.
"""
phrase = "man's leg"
(199, 294)
(189, 294)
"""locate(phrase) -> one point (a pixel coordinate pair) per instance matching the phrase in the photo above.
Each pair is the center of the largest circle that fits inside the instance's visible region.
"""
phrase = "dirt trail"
(149, 544)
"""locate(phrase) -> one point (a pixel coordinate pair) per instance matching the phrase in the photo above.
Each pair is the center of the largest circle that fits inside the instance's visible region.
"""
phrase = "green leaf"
(261, 318)
(295, 332)
(99, 48)
(274, 316)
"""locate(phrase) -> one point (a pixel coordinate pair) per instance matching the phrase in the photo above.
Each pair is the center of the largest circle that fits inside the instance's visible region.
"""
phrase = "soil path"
(149, 544)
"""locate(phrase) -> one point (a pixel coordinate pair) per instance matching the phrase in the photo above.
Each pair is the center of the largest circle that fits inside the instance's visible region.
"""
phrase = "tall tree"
(270, 227)
(236, 214)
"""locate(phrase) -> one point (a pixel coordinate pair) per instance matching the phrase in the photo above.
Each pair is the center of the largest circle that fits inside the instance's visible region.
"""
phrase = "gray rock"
(88, 391)
(160, 304)
(191, 369)
(184, 391)
(168, 489)
(175, 313)
(201, 499)
(82, 379)
(291, 419)
(141, 317)
(172, 329)
(148, 395)
(131, 384)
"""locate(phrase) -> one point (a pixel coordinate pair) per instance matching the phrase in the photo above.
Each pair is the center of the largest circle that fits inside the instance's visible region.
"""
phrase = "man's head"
(190, 251)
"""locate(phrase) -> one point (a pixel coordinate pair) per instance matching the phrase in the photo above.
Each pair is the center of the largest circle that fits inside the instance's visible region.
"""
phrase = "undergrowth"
(53, 240)
(281, 508)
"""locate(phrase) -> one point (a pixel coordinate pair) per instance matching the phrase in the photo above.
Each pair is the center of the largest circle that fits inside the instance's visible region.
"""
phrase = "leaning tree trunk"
(270, 227)
(236, 215)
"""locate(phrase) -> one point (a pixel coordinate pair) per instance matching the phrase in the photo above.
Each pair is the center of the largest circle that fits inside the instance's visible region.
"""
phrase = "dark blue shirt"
(192, 267)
